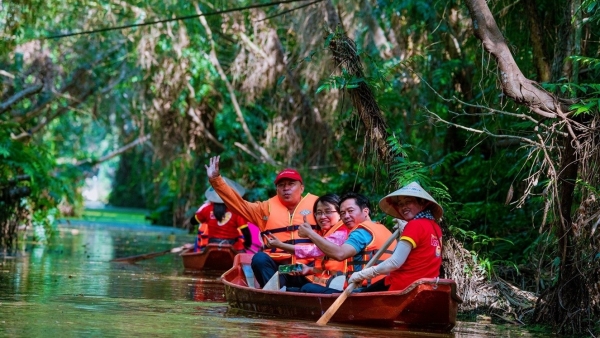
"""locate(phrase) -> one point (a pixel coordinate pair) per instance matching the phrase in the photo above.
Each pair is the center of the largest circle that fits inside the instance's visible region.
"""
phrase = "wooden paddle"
(133, 259)
(342, 298)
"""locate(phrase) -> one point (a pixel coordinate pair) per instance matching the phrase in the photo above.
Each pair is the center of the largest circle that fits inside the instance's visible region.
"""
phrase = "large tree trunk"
(537, 44)
(569, 296)
(567, 304)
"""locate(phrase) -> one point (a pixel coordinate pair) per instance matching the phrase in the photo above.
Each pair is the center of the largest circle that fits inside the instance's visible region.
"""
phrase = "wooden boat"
(214, 257)
(425, 305)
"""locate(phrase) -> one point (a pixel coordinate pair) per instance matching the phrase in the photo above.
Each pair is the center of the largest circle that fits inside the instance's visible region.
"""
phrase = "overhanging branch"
(114, 153)
(514, 84)
(19, 96)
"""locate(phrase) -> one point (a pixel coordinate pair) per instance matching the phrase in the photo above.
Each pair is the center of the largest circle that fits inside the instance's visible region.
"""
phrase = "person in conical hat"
(218, 224)
(388, 203)
(212, 195)
(418, 253)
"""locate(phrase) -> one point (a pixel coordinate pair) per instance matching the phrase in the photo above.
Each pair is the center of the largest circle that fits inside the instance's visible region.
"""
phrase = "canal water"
(68, 288)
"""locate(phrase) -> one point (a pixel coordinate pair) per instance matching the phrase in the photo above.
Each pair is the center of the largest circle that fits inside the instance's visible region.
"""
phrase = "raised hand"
(305, 228)
(212, 170)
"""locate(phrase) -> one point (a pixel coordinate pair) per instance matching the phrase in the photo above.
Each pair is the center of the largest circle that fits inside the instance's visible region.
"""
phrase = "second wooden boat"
(214, 257)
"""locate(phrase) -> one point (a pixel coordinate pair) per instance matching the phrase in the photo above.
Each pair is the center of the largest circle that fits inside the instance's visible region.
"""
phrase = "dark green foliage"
(26, 187)
(128, 192)
(420, 60)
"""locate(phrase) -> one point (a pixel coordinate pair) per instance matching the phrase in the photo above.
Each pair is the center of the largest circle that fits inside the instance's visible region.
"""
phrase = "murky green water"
(68, 288)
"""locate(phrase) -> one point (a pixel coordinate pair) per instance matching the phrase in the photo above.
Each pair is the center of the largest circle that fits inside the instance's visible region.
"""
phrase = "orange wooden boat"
(214, 257)
(427, 304)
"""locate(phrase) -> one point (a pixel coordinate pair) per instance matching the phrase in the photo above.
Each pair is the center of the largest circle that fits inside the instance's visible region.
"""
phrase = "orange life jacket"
(325, 267)
(228, 228)
(204, 237)
(380, 234)
(284, 226)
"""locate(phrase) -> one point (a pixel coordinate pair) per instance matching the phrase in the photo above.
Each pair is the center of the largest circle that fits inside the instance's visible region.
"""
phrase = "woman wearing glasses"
(327, 215)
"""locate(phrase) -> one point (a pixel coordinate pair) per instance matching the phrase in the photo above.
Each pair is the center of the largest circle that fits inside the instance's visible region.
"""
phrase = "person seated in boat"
(364, 240)
(219, 225)
(327, 214)
(419, 251)
(279, 216)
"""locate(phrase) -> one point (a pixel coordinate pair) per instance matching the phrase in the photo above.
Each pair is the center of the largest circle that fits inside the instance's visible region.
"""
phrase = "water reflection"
(69, 288)
(207, 290)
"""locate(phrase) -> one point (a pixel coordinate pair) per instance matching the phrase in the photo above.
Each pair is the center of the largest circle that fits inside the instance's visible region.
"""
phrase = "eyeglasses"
(325, 213)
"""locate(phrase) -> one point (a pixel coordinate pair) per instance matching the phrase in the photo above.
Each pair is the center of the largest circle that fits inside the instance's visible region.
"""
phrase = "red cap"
(288, 173)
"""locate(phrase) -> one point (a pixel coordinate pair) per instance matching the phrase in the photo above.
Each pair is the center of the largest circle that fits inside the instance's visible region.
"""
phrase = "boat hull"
(425, 305)
(214, 257)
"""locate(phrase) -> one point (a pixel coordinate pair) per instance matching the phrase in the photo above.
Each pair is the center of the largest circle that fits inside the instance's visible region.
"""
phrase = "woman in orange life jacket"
(365, 239)
(218, 224)
(419, 251)
(327, 215)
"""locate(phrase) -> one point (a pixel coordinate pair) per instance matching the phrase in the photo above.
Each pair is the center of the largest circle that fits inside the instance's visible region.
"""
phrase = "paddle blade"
(137, 258)
(326, 317)
(178, 249)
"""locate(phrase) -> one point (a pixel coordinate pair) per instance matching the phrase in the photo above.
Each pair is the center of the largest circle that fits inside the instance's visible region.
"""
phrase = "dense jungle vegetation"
(491, 105)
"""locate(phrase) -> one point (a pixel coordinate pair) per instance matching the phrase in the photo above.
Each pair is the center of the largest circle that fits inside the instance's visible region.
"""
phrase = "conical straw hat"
(415, 190)
(212, 195)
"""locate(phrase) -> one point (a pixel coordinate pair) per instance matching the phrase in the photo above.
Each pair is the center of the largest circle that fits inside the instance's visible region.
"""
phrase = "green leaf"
(322, 87)
(280, 80)
(563, 89)
(591, 7)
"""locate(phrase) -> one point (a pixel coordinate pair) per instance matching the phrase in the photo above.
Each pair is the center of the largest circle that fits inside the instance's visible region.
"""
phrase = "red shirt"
(425, 258)
(226, 228)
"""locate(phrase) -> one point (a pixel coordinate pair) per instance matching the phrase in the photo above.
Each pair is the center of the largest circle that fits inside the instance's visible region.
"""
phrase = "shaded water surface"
(68, 288)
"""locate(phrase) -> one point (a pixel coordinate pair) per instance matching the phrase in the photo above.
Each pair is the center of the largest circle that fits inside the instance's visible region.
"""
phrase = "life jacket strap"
(298, 241)
(288, 228)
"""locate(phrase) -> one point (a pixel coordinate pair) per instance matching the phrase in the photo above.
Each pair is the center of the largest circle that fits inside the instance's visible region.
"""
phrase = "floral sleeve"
(311, 250)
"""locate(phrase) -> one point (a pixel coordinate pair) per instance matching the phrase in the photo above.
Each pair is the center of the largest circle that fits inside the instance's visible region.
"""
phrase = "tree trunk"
(537, 44)
(564, 302)
(567, 303)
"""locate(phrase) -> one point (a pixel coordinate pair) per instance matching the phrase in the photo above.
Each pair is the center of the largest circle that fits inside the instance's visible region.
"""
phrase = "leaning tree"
(565, 145)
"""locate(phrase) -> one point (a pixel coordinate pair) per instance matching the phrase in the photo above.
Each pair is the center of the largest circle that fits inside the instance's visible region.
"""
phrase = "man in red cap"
(278, 217)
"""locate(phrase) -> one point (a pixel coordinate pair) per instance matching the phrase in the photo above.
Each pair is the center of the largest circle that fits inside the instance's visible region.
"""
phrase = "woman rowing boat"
(418, 254)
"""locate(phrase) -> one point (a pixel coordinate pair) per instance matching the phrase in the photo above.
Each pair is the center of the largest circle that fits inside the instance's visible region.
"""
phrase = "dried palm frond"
(346, 58)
